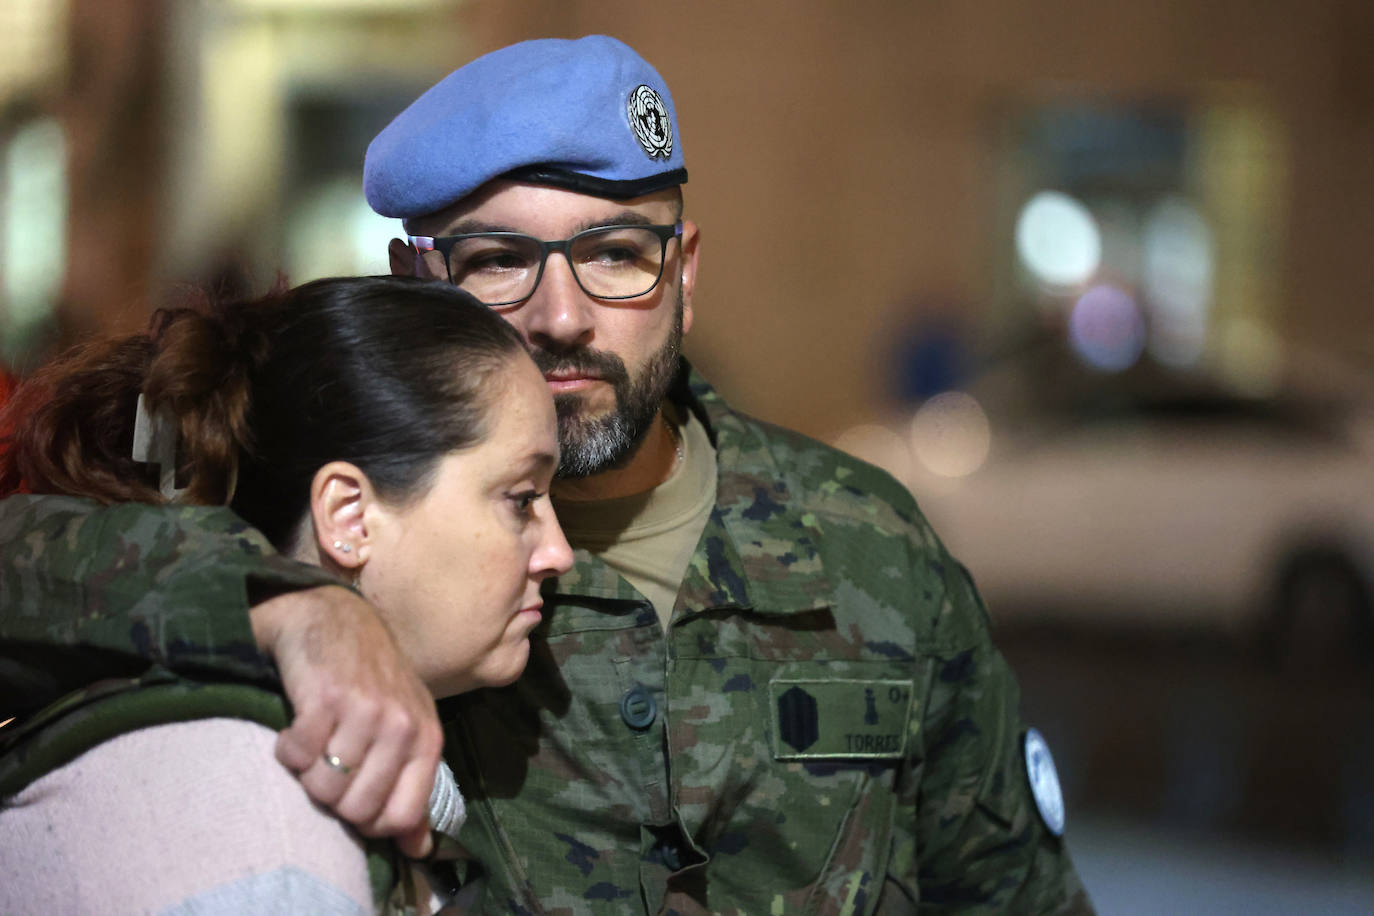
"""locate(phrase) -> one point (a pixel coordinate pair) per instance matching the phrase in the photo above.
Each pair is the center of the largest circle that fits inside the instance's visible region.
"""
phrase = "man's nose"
(558, 315)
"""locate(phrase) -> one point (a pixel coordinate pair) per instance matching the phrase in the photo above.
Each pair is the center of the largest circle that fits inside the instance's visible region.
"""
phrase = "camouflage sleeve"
(88, 592)
(981, 846)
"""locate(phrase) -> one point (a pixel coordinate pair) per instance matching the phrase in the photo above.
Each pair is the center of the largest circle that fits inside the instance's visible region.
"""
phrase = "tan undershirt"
(649, 538)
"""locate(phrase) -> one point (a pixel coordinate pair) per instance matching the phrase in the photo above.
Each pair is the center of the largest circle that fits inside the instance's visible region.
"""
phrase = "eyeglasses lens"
(495, 268)
(617, 263)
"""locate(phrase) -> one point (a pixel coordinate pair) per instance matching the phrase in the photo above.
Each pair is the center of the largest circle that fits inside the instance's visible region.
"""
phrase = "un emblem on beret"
(649, 119)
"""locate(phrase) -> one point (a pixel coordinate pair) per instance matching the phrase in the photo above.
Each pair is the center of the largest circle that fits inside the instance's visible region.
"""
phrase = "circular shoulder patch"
(1044, 782)
(649, 119)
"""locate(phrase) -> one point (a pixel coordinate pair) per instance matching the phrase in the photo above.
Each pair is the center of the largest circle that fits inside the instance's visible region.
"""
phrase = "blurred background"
(1090, 276)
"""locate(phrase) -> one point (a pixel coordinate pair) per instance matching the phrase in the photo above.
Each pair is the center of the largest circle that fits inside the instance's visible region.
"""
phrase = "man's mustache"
(583, 360)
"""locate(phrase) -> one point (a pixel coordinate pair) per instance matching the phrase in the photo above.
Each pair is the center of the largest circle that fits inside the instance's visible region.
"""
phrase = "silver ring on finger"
(334, 763)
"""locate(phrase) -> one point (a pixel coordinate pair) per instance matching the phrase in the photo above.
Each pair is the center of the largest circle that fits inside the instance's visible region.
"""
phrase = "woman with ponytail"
(393, 435)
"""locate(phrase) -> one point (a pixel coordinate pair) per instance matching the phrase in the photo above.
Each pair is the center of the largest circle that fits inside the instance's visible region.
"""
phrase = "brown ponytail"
(73, 421)
(70, 433)
(201, 374)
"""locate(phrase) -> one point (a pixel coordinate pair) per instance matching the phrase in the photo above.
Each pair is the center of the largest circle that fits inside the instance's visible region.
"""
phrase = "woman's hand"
(366, 738)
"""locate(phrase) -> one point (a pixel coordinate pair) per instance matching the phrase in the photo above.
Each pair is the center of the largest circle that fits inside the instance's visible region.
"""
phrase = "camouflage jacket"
(825, 727)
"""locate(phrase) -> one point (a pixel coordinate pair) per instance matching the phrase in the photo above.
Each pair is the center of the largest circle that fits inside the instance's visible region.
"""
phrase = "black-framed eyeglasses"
(504, 268)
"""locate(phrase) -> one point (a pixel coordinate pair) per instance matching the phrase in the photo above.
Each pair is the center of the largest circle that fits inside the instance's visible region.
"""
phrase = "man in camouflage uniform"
(810, 716)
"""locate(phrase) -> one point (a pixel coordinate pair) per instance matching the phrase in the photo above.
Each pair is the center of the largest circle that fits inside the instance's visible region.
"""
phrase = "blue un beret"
(588, 115)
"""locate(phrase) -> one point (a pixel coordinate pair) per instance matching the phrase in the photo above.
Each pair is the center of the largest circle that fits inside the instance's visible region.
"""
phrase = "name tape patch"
(840, 718)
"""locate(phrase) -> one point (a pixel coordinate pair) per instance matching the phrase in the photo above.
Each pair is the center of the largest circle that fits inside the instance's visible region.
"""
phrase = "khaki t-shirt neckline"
(649, 538)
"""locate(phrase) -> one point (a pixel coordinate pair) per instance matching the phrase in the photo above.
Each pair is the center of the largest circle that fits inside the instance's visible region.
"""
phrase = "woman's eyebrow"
(538, 460)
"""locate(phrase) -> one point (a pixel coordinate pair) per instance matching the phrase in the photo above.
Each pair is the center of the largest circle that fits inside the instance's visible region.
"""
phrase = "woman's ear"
(340, 499)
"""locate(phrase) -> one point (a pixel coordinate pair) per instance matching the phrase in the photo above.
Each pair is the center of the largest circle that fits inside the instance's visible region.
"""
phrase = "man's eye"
(614, 248)
(493, 261)
(614, 254)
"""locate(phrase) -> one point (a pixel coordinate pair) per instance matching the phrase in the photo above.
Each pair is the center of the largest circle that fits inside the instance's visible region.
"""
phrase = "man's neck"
(652, 463)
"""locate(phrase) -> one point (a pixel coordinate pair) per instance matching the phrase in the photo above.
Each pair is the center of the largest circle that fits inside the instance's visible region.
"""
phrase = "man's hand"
(358, 703)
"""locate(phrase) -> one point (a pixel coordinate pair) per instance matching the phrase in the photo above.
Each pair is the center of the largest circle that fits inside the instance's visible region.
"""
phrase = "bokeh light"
(1106, 329)
(1176, 278)
(950, 434)
(1058, 240)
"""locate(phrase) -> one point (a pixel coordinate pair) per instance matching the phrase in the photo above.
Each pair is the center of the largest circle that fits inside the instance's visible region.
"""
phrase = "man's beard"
(592, 445)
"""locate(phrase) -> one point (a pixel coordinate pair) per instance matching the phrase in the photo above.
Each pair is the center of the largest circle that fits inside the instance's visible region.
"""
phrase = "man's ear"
(404, 258)
(341, 498)
(691, 243)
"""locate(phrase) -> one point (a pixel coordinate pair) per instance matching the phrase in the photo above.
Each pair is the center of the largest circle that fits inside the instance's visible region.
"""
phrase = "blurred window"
(1143, 233)
(33, 217)
(330, 228)
(33, 198)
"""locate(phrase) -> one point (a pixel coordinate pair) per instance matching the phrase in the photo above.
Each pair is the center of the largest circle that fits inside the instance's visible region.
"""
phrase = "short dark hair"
(389, 373)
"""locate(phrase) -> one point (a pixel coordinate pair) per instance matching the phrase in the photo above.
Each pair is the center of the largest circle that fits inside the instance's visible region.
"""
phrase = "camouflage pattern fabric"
(824, 728)
(88, 593)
